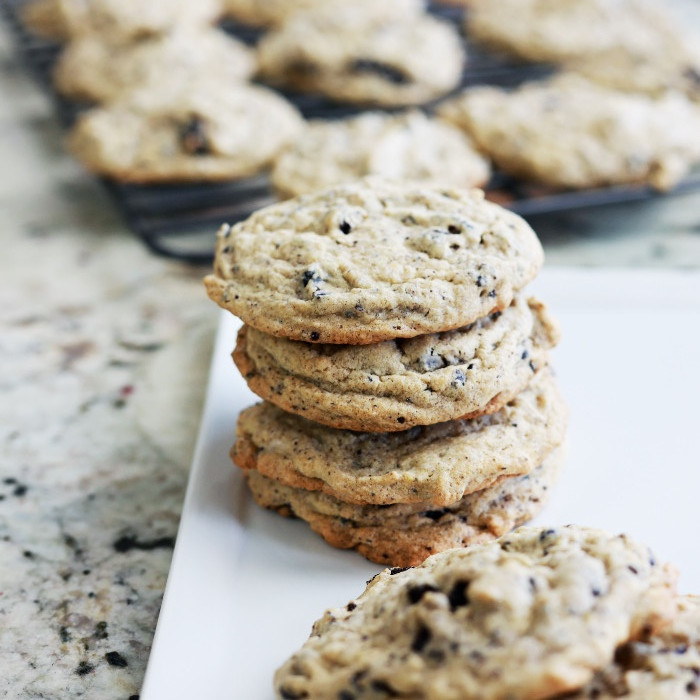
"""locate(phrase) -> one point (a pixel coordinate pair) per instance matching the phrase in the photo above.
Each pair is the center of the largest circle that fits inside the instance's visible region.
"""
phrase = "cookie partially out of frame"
(276, 12)
(675, 70)
(558, 30)
(408, 146)
(662, 666)
(570, 132)
(371, 58)
(91, 68)
(530, 615)
(373, 260)
(404, 535)
(437, 464)
(199, 133)
(397, 384)
(115, 19)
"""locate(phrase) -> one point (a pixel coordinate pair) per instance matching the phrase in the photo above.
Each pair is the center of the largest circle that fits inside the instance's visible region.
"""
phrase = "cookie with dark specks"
(529, 615)
(437, 464)
(570, 132)
(397, 384)
(371, 261)
(199, 132)
(372, 57)
(404, 535)
(662, 666)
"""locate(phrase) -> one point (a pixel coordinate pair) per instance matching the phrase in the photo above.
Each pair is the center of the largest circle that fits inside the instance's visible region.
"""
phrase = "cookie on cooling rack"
(570, 132)
(408, 146)
(198, 133)
(675, 70)
(91, 68)
(276, 12)
(115, 19)
(373, 260)
(369, 58)
(397, 384)
(404, 535)
(542, 30)
(435, 464)
(530, 615)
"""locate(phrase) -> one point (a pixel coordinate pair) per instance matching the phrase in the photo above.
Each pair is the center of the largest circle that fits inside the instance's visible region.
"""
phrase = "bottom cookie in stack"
(399, 497)
(405, 534)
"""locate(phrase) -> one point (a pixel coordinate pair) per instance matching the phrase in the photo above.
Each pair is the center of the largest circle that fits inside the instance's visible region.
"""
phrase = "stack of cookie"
(409, 405)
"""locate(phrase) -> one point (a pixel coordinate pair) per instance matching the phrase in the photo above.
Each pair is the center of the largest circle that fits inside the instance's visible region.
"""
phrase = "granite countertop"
(105, 354)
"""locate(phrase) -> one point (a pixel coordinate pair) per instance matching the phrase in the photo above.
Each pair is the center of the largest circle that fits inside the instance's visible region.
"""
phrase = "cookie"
(93, 69)
(398, 384)
(529, 615)
(404, 535)
(558, 30)
(664, 666)
(409, 146)
(370, 58)
(116, 19)
(649, 74)
(570, 132)
(275, 12)
(200, 133)
(373, 260)
(437, 464)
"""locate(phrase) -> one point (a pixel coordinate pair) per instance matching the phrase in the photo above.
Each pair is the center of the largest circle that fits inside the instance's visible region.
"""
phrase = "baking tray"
(245, 584)
(180, 220)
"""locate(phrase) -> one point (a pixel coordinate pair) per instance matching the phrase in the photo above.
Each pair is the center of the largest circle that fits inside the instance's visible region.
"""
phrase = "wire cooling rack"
(179, 220)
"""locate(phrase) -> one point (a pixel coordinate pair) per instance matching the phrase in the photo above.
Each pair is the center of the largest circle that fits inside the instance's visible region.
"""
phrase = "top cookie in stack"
(414, 409)
(372, 261)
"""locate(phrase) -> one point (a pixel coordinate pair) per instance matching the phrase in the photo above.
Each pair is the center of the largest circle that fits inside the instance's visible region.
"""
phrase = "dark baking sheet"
(179, 220)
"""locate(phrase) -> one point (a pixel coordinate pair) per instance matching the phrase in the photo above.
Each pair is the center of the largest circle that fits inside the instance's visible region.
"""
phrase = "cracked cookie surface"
(373, 260)
(438, 464)
(398, 384)
(526, 616)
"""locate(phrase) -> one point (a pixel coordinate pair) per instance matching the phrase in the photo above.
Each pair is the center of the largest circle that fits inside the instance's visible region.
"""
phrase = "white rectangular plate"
(245, 585)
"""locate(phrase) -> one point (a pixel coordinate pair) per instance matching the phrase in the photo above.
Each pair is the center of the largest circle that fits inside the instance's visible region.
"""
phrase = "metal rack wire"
(179, 220)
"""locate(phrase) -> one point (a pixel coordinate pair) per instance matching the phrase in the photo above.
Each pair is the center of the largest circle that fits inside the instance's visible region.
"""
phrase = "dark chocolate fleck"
(101, 630)
(384, 687)
(415, 593)
(458, 595)
(480, 281)
(434, 514)
(345, 227)
(315, 335)
(421, 639)
(398, 570)
(390, 73)
(193, 137)
(20, 490)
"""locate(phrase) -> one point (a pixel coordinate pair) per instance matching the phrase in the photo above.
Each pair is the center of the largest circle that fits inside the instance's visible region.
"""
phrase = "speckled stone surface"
(98, 417)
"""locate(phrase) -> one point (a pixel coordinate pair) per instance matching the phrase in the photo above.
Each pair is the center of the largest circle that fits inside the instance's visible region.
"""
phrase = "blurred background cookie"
(198, 133)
